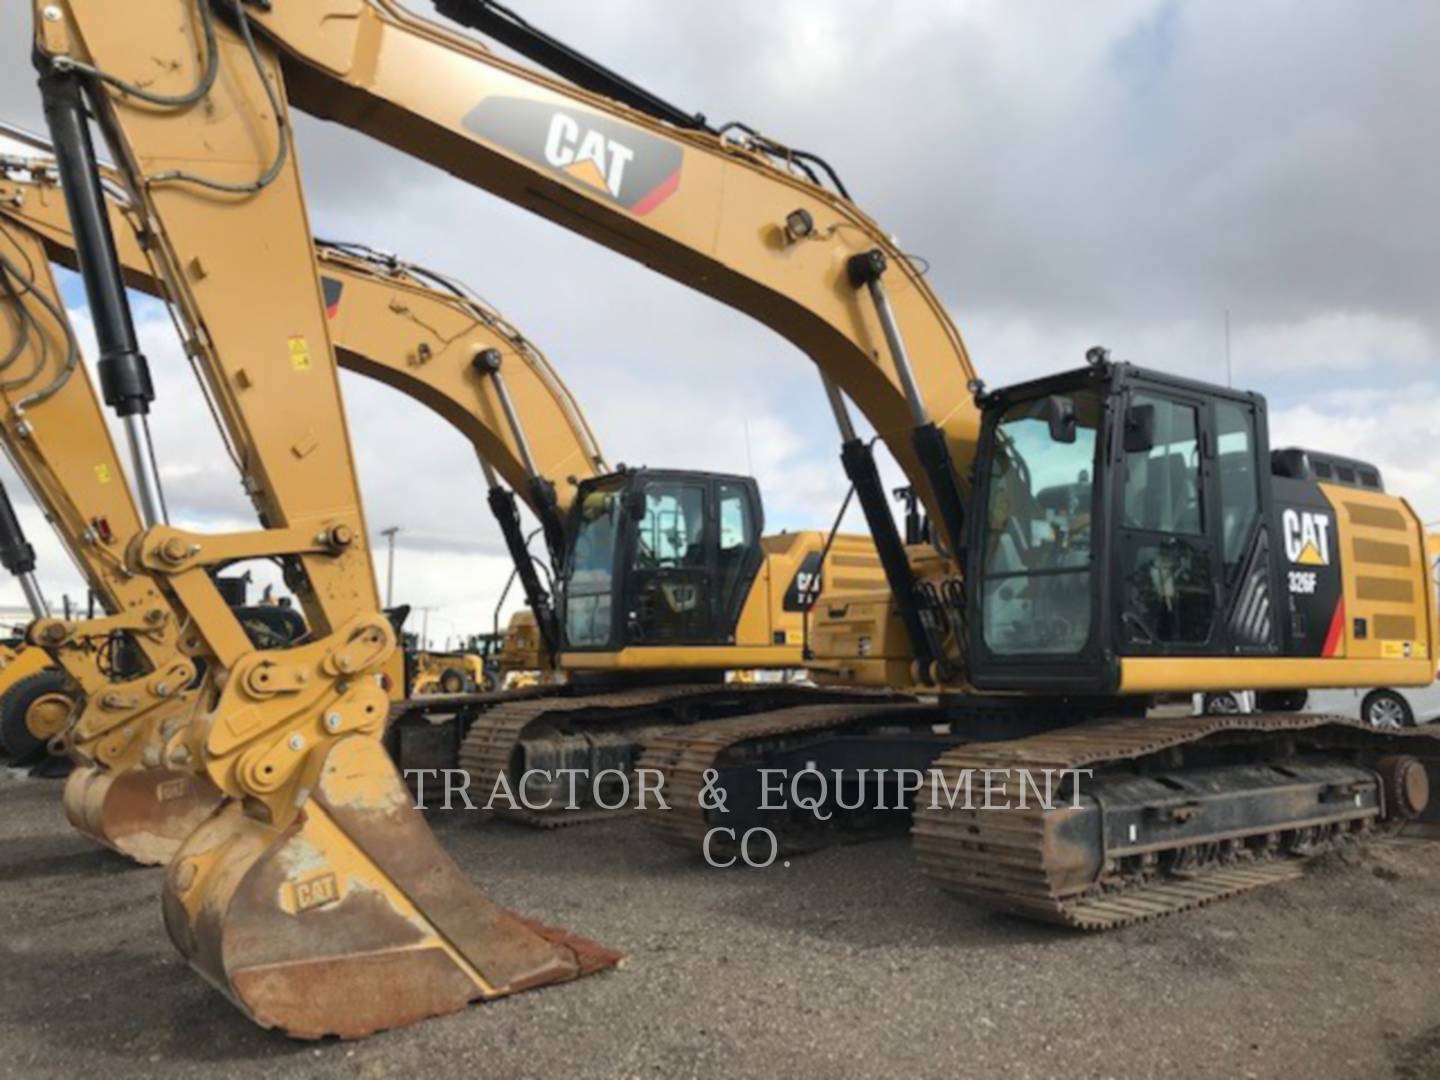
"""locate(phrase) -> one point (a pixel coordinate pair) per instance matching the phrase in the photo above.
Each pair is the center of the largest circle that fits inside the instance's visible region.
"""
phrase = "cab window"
(1169, 591)
(737, 540)
(670, 586)
(1162, 484)
(671, 533)
(1037, 557)
(590, 579)
(1239, 493)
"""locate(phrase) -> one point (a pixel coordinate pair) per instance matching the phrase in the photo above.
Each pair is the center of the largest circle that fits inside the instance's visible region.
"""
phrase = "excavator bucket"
(352, 919)
(144, 814)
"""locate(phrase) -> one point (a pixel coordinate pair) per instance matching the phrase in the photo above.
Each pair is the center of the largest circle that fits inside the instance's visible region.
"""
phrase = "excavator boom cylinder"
(507, 516)
(124, 371)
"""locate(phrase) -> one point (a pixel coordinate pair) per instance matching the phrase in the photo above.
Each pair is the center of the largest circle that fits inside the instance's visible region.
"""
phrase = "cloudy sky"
(1120, 173)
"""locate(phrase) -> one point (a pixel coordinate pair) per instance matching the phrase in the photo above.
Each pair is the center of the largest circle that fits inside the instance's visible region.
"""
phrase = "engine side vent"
(1298, 464)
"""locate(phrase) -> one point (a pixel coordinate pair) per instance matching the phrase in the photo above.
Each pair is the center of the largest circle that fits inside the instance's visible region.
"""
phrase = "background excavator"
(1096, 539)
(704, 591)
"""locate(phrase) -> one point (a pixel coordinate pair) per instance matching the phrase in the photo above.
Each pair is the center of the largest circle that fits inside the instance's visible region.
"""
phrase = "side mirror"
(1140, 429)
(1060, 415)
(635, 505)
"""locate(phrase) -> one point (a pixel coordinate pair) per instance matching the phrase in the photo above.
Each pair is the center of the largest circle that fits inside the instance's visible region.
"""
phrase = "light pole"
(389, 535)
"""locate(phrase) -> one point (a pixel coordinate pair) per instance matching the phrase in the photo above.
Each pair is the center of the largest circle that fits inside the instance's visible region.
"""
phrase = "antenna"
(1229, 374)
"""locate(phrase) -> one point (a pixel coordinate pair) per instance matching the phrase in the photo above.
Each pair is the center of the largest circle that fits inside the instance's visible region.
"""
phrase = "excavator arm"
(415, 336)
(316, 897)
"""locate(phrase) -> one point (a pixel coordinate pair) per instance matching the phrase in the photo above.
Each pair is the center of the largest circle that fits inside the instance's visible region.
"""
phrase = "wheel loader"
(449, 673)
(34, 703)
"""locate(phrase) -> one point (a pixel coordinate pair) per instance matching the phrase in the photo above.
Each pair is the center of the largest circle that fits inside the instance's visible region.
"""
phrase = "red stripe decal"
(1336, 631)
(331, 310)
(658, 194)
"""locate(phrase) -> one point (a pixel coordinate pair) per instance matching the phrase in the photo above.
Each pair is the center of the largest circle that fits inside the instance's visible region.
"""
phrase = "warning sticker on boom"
(299, 354)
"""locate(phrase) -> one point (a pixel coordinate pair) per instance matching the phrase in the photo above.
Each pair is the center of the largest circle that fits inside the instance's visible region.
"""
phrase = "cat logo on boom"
(620, 162)
(590, 158)
(1307, 537)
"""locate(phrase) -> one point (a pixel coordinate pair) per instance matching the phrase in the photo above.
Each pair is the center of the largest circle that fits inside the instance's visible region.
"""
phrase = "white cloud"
(1390, 427)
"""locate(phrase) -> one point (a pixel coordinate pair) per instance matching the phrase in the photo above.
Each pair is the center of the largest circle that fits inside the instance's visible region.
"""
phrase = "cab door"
(672, 558)
(1167, 585)
(1241, 495)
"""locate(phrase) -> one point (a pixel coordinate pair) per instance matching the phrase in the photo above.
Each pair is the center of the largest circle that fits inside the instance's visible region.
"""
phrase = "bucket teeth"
(351, 919)
(144, 814)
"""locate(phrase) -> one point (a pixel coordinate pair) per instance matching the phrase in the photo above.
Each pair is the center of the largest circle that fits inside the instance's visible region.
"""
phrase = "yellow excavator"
(707, 593)
(1056, 629)
(315, 895)
(1096, 539)
(666, 583)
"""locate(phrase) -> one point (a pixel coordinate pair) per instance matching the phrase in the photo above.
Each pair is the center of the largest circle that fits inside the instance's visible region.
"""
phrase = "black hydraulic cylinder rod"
(488, 363)
(547, 508)
(933, 451)
(866, 270)
(505, 26)
(859, 461)
(16, 554)
(124, 371)
(502, 505)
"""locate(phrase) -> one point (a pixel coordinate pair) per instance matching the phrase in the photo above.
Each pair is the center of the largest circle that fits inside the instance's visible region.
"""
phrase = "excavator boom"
(748, 221)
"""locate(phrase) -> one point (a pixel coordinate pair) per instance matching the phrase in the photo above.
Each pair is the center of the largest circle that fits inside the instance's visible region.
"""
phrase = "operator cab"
(659, 558)
(1125, 513)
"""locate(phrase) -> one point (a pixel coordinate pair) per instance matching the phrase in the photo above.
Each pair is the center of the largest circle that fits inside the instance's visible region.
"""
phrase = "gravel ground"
(846, 963)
